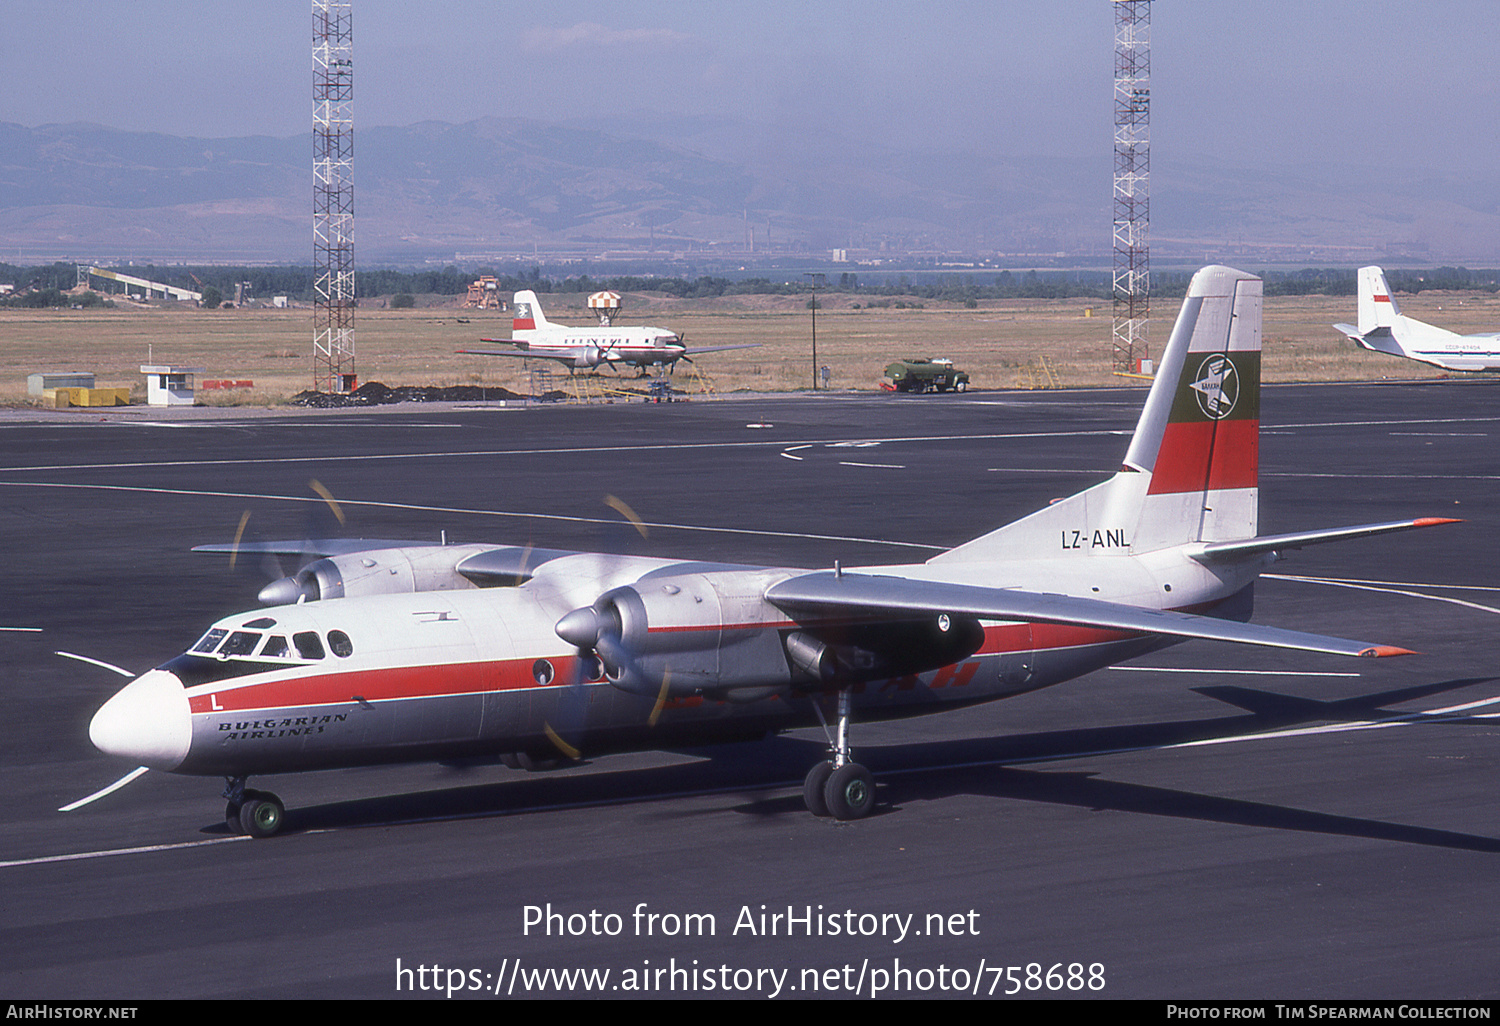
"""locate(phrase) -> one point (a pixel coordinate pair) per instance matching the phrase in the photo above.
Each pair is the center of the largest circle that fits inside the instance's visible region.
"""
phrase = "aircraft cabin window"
(308, 645)
(340, 645)
(210, 641)
(240, 643)
(276, 647)
(541, 671)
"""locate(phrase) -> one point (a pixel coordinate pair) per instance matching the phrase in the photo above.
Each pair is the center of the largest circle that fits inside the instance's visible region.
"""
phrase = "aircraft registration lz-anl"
(390, 652)
(602, 346)
(1383, 328)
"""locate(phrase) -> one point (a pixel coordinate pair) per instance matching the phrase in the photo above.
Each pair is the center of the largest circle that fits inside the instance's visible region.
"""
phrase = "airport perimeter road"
(1209, 822)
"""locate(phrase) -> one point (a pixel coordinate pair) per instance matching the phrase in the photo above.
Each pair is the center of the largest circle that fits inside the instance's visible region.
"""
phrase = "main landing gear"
(257, 813)
(839, 787)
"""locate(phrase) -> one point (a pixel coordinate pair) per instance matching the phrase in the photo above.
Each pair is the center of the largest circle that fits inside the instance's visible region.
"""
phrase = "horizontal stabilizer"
(495, 352)
(830, 593)
(1276, 542)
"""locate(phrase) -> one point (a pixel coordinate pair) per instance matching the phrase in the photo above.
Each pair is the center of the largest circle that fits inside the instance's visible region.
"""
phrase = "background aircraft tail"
(1377, 305)
(1192, 470)
(527, 314)
(1383, 328)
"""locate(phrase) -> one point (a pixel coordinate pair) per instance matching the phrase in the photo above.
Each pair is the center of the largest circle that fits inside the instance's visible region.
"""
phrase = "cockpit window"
(276, 647)
(210, 641)
(240, 643)
(260, 623)
(308, 645)
(340, 645)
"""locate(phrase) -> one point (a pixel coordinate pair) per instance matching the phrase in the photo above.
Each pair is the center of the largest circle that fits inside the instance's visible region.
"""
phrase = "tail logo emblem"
(1217, 387)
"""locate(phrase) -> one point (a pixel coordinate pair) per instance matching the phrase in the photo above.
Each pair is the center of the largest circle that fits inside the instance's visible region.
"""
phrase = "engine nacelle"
(877, 650)
(685, 635)
(695, 634)
(376, 572)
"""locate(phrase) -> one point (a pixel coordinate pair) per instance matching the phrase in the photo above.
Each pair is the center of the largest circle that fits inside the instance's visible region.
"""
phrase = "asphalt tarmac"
(1210, 821)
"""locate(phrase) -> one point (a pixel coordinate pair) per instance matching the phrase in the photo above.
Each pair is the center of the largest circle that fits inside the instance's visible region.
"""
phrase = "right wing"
(829, 593)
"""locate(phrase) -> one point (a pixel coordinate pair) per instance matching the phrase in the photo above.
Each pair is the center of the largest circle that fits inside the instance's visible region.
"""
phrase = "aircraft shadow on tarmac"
(748, 773)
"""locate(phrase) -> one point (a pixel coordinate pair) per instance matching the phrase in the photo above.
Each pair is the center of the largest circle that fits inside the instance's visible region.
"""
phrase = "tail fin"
(1377, 306)
(528, 314)
(1192, 470)
(1384, 328)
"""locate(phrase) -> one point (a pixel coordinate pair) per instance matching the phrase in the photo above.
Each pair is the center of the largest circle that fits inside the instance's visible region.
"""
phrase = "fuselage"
(482, 673)
(593, 347)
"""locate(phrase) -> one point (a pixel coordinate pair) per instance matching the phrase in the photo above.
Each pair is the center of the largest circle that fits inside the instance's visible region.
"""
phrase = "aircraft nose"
(148, 722)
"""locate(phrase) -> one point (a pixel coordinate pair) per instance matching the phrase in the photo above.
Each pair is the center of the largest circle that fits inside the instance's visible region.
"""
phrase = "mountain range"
(698, 190)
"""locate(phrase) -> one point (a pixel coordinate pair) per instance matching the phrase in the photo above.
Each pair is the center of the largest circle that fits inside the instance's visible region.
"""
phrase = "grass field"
(1001, 344)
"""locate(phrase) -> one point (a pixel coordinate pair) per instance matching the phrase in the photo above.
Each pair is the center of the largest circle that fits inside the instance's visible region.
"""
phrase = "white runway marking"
(33, 630)
(560, 450)
(420, 508)
(1388, 589)
(77, 856)
(111, 789)
(95, 662)
(882, 466)
(1251, 673)
(1450, 714)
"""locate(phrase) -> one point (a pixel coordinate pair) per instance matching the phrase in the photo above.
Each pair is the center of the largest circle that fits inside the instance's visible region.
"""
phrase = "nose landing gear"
(256, 813)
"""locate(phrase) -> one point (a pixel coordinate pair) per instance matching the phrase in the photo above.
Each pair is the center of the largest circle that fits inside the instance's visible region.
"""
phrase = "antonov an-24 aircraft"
(1385, 329)
(396, 652)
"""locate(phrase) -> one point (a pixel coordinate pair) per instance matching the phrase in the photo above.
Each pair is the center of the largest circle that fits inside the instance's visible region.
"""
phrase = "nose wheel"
(256, 813)
(839, 787)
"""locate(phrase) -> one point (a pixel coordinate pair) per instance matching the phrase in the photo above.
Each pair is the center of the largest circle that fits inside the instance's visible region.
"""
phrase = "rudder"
(1192, 470)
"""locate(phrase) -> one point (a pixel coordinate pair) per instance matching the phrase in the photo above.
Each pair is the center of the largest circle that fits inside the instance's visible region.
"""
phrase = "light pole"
(816, 280)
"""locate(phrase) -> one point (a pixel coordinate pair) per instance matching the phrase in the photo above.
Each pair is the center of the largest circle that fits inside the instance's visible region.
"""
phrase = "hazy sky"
(1286, 80)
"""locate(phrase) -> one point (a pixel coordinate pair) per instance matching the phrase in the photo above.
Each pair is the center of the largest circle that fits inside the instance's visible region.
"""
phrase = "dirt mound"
(373, 393)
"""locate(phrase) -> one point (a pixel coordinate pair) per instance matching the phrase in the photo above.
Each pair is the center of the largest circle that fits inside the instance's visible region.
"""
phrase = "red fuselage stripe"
(409, 682)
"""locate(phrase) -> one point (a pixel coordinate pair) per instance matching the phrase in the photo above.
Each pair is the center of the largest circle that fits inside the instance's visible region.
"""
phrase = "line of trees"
(45, 285)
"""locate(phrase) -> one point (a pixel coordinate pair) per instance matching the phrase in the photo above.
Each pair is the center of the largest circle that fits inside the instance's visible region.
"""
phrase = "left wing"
(700, 350)
(829, 592)
(312, 546)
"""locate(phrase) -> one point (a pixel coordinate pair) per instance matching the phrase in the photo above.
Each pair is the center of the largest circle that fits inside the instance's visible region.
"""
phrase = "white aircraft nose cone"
(148, 722)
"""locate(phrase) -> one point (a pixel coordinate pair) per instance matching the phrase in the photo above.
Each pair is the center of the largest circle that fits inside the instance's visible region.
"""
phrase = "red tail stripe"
(1207, 454)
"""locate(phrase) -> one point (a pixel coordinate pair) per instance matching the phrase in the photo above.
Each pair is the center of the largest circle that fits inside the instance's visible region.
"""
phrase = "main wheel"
(262, 814)
(815, 786)
(232, 818)
(850, 792)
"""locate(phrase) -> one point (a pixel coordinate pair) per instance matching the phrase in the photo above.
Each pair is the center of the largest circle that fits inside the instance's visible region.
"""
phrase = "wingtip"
(1386, 652)
(1434, 521)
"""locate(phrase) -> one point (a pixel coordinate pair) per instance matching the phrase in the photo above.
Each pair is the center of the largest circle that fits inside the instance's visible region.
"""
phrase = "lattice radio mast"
(333, 196)
(1132, 277)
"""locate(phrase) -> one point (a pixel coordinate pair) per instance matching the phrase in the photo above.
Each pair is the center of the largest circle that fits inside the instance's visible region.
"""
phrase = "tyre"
(850, 792)
(814, 787)
(262, 815)
(961, 386)
(232, 818)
